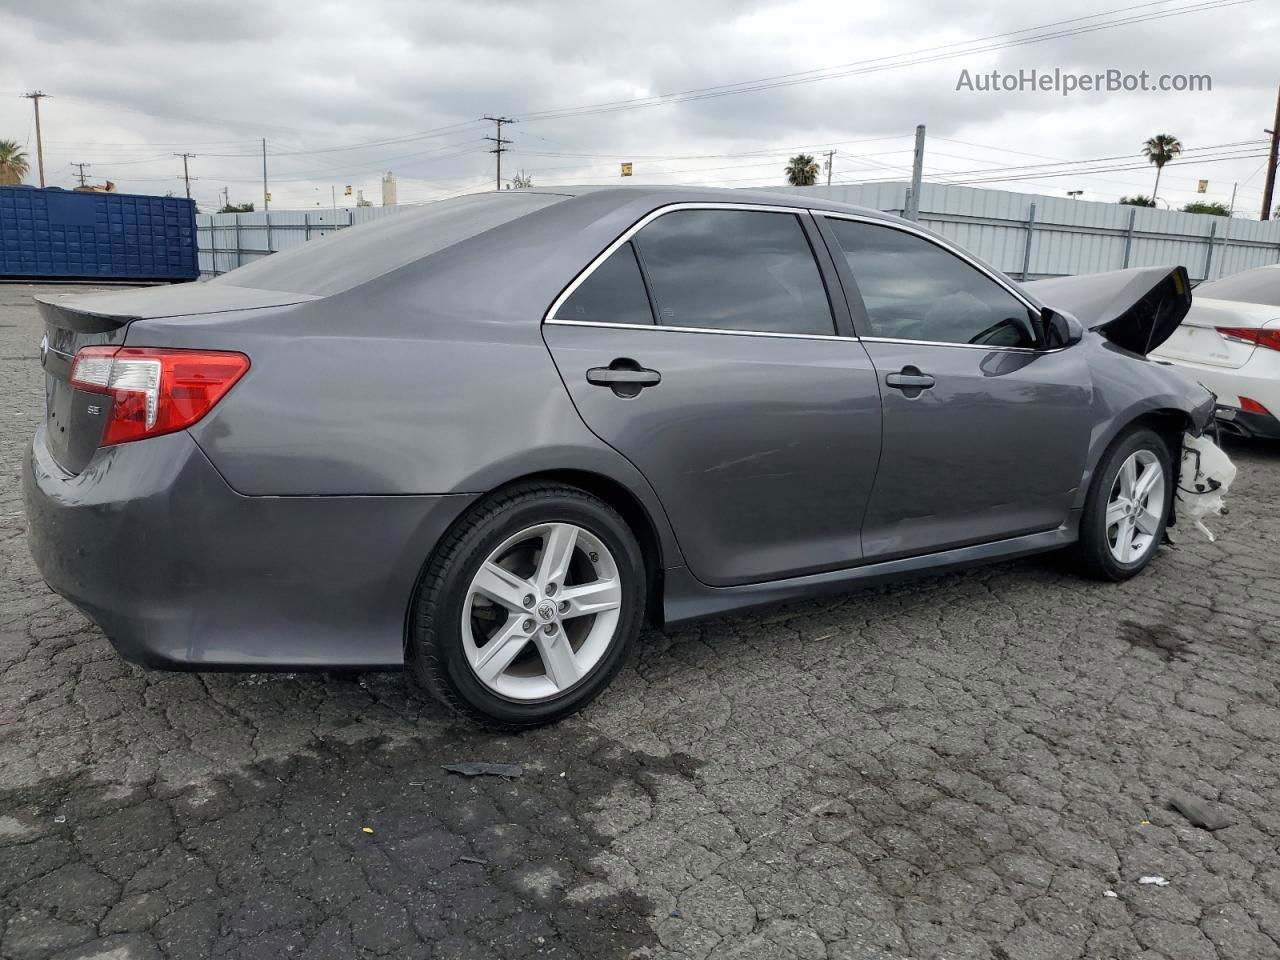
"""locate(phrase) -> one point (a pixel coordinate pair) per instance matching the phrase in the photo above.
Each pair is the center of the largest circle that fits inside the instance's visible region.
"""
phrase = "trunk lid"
(74, 418)
(1136, 309)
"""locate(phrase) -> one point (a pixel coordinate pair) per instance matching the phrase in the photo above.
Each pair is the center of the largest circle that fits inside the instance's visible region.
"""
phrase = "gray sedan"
(488, 437)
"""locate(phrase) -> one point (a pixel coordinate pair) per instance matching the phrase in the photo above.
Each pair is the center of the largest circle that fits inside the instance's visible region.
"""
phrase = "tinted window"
(613, 293)
(916, 290)
(1253, 286)
(735, 270)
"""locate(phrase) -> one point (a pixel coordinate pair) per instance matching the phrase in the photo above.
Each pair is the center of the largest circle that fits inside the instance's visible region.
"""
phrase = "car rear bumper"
(1258, 380)
(182, 572)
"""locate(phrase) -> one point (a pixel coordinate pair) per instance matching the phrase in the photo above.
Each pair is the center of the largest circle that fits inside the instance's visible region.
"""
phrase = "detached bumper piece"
(1204, 477)
(1248, 423)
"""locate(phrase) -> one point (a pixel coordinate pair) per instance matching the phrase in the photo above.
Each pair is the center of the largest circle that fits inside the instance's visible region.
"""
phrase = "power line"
(877, 64)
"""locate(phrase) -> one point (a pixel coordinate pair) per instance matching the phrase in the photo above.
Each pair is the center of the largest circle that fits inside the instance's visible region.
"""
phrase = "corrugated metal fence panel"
(1065, 236)
(118, 236)
(1070, 236)
(230, 240)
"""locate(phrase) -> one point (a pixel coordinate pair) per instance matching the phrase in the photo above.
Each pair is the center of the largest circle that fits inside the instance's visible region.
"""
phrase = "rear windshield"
(340, 261)
(1261, 285)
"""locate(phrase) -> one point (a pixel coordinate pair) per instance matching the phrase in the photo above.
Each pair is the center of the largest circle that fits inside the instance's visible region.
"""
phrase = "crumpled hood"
(1136, 309)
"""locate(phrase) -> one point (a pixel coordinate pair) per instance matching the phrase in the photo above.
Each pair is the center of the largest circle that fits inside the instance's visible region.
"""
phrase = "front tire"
(1127, 507)
(529, 607)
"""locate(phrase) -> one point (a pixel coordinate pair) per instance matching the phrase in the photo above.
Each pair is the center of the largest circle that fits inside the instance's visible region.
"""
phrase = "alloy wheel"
(1134, 507)
(541, 611)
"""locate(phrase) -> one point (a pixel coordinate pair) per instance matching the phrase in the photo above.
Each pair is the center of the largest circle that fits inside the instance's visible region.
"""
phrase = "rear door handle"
(921, 381)
(624, 376)
(608, 376)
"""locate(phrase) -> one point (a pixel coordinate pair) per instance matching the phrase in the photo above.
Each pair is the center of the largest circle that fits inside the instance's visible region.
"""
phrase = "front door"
(756, 424)
(985, 434)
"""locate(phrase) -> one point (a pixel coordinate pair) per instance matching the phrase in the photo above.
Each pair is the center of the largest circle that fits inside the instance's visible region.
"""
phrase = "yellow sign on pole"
(347, 190)
(268, 198)
(1203, 186)
(626, 169)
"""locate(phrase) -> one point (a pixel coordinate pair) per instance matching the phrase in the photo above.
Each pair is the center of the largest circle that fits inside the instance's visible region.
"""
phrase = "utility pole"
(829, 164)
(226, 196)
(186, 176)
(499, 147)
(1269, 190)
(81, 173)
(266, 196)
(34, 96)
(912, 212)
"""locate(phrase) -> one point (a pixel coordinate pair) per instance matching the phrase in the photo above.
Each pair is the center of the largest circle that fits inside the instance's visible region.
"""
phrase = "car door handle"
(624, 376)
(909, 379)
(609, 376)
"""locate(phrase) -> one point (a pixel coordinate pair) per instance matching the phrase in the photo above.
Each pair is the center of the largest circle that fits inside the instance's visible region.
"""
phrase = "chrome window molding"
(639, 225)
(725, 331)
(648, 218)
(937, 242)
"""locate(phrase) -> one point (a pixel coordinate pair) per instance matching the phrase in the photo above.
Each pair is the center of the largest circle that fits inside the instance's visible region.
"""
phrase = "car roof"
(661, 195)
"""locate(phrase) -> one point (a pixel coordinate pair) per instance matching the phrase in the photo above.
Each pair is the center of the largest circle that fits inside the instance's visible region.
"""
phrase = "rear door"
(747, 406)
(985, 433)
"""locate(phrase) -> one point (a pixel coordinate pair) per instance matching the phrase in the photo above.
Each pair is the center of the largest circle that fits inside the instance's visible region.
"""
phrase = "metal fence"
(1029, 236)
(1025, 235)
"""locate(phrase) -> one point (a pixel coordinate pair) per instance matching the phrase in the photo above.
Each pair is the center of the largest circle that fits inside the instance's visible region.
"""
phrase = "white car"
(1230, 343)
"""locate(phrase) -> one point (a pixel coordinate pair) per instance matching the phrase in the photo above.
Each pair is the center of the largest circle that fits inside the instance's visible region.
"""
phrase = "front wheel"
(529, 607)
(1127, 507)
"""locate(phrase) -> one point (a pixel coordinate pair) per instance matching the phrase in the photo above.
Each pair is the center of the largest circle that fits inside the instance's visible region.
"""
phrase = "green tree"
(802, 170)
(1159, 150)
(1214, 207)
(13, 163)
(521, 181)
(1138, 200)
(237, 207)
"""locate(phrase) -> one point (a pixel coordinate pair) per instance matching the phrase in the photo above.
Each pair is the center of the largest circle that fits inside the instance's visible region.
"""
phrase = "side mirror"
(1060, 329)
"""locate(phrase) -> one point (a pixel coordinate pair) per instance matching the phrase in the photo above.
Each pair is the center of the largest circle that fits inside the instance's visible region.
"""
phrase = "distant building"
(389, 190)
(361, 201)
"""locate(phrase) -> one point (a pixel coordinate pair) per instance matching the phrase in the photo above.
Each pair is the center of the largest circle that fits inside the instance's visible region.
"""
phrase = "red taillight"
(155, 390)
(1249, 405)
(1255, 335)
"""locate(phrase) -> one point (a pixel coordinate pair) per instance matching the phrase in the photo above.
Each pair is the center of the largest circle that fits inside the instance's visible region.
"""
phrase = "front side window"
(734, 270)
(612, 293)
(916, 290)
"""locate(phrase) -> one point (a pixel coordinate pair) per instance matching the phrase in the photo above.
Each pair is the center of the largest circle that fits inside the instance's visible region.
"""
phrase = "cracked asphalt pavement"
(977, 765)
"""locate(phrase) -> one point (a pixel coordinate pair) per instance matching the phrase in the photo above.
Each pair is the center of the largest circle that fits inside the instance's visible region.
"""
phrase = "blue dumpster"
(60, 234)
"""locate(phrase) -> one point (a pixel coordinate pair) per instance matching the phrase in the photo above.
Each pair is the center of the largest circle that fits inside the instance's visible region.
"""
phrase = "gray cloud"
(135, 84)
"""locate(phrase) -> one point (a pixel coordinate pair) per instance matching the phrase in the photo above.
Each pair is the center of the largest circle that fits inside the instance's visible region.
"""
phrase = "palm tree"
(802, 170)
(1159, 150)
(13, 163)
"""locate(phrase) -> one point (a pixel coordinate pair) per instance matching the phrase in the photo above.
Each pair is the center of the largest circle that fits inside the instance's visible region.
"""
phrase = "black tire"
(435, 653)
(1092, 553)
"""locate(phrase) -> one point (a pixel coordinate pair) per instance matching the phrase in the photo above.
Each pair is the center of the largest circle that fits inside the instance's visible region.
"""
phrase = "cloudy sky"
(343, 92)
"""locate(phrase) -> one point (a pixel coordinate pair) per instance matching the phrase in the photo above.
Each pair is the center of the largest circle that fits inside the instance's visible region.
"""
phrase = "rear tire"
(528, 608)
(1127, 507)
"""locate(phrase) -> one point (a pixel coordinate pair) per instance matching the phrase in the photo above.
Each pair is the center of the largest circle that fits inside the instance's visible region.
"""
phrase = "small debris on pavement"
(1200, 813)
(1111, 894)
(467, 859)
(366, 829)
(1154, 881)
(60, 818)
(677, 914)
(477, 768)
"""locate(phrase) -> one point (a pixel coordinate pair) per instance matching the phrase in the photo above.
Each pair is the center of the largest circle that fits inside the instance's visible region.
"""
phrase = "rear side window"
(734, 270)
(613, 293)
(916, 290)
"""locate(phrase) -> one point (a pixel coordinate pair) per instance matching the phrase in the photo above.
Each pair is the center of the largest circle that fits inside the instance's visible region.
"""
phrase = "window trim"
(627, 235)
(842, 267)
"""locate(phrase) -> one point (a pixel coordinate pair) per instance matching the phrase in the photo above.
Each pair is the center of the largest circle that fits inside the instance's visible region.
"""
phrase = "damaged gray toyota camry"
(488, 437)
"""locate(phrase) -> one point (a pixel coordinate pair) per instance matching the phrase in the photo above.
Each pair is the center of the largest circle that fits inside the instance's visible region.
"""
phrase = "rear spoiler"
(1135, 309)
